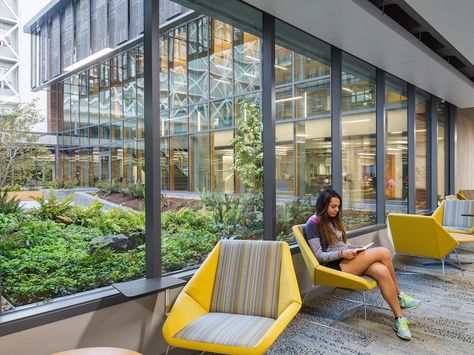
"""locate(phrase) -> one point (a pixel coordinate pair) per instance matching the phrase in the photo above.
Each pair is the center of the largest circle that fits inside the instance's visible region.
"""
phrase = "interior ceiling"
(361, 29)
(452, 19)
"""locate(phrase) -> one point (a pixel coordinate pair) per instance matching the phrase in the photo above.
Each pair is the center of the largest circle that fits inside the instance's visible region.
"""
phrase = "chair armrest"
(185, 310)
(329, 277)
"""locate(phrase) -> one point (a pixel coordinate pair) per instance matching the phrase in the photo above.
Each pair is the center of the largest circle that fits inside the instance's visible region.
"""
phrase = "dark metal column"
(152, 138)
(268, 113)
(432, 167)
(446, 148)
(380, 137)
(452, 149)
(336, 130)
(411, 149)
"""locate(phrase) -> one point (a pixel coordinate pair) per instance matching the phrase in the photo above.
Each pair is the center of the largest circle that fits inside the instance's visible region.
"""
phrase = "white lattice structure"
(9, 58)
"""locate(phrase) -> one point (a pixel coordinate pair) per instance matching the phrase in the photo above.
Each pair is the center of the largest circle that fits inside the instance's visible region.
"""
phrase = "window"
(396, 151)
(358, 142)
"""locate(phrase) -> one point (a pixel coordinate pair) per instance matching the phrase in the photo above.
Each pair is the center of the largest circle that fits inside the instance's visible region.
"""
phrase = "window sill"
(46, 312)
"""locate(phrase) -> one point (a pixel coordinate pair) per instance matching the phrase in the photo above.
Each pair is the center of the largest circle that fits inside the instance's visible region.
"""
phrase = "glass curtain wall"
(358, 142)
(441, 153)
(422, 106)
(303, 129)
(396, 150)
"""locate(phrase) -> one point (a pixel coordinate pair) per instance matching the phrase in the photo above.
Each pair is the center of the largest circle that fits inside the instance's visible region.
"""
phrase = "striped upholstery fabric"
(468, 194)
(247, 278)
(227, 329)
(453, 209)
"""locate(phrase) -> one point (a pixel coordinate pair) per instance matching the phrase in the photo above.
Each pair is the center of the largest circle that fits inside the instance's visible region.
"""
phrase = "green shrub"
(136, 190)
(54, 209)
(8, 223)
(238, 217)
(108, 186)
(291, 213)
(8, 205)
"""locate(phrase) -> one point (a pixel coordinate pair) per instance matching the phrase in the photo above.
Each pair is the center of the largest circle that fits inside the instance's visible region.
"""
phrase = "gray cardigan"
(318, 244)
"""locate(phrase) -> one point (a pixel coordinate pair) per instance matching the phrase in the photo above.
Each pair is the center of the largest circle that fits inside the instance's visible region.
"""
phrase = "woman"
(327, 238)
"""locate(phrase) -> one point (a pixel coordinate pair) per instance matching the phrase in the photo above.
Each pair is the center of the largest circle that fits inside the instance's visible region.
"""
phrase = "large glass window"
(303, 131)
(177, 67)
(358, 142)
(396, 151)
(422, 104)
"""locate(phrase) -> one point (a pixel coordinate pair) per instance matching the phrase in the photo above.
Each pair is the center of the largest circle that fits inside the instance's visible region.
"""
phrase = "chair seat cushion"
(227, 329)
(455, 228)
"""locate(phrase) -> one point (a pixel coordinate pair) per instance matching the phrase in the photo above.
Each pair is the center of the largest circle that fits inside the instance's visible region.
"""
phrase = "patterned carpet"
(444, 324)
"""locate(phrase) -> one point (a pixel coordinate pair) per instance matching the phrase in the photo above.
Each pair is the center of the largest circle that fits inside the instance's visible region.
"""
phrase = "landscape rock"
(119, 243)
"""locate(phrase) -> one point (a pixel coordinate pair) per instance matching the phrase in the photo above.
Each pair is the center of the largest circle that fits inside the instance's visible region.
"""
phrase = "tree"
(248, 158)
(18, 145)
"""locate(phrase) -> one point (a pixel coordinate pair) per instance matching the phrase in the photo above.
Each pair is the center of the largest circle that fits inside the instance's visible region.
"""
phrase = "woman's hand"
(348, 254)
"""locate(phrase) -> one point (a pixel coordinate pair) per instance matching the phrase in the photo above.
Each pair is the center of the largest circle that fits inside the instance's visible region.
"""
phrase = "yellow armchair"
(238, 302)
(324, 276)
(420, 236)
(449, 215)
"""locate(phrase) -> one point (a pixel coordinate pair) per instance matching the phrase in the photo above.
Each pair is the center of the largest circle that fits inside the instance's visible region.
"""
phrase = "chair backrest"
(308, 256)
(467, 194)
(247, 279)
(453, 211)
(420, 236)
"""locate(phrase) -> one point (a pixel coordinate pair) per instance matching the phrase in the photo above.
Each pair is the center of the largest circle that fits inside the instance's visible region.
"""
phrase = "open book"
(365, 247)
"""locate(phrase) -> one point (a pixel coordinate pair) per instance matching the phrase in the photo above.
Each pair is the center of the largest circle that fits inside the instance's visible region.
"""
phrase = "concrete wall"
(133, 325)
(465, 150)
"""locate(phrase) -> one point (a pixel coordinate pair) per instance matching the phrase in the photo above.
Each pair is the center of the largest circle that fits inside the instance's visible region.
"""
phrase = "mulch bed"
(138, 204)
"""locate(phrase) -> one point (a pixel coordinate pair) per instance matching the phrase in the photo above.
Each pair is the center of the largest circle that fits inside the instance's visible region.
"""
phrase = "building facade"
(209, 66)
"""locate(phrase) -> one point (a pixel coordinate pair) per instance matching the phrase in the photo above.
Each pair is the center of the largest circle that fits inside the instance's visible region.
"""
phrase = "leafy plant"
(54, 209)
(291, 213)
(248, 157)
(8, 204)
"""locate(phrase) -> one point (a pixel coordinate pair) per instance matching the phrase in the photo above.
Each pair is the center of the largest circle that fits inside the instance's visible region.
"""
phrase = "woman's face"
(333, 208)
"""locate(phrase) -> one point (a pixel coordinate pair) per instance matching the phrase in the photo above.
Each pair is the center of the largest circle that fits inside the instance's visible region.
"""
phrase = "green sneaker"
(408, 302)
(400, 325)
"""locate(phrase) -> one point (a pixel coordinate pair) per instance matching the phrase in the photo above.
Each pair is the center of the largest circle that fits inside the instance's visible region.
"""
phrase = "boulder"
(119, 243)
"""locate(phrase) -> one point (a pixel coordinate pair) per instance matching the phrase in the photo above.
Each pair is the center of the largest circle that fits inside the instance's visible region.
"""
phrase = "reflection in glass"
(177, 67)
(396, 151)
(220, 58)
(198, 44)
(199, 118)
(358, 142)
(285, 165)
(222, 159)
(284, 100)
(221, 114)
(94, 96)
(179, 163)
(165, 163)
(116, 93)
(200, 163)
(247, 68)
(179, 121)
(314, 98)
(283, 65)
(421, 172)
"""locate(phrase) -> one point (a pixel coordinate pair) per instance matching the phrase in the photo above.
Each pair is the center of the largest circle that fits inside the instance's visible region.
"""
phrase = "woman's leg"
(379, 272)
(384, 256)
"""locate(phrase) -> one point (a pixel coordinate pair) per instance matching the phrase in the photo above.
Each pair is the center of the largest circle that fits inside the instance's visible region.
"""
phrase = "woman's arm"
(314, 241)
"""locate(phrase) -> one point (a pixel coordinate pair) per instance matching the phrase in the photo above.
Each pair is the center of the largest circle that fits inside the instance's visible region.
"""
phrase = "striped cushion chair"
(450, 215)
(238, 302)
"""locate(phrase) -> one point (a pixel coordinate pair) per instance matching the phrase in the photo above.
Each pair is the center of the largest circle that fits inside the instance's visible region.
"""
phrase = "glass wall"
(303, 129)
(441, 153)
(396, 149)
(422, 105)
(358, 142)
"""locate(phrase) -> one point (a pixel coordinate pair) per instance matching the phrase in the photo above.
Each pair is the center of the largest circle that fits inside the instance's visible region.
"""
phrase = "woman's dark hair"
(325, 221)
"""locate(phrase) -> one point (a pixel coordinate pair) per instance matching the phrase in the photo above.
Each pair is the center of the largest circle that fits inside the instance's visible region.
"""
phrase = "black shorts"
(334, 264)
